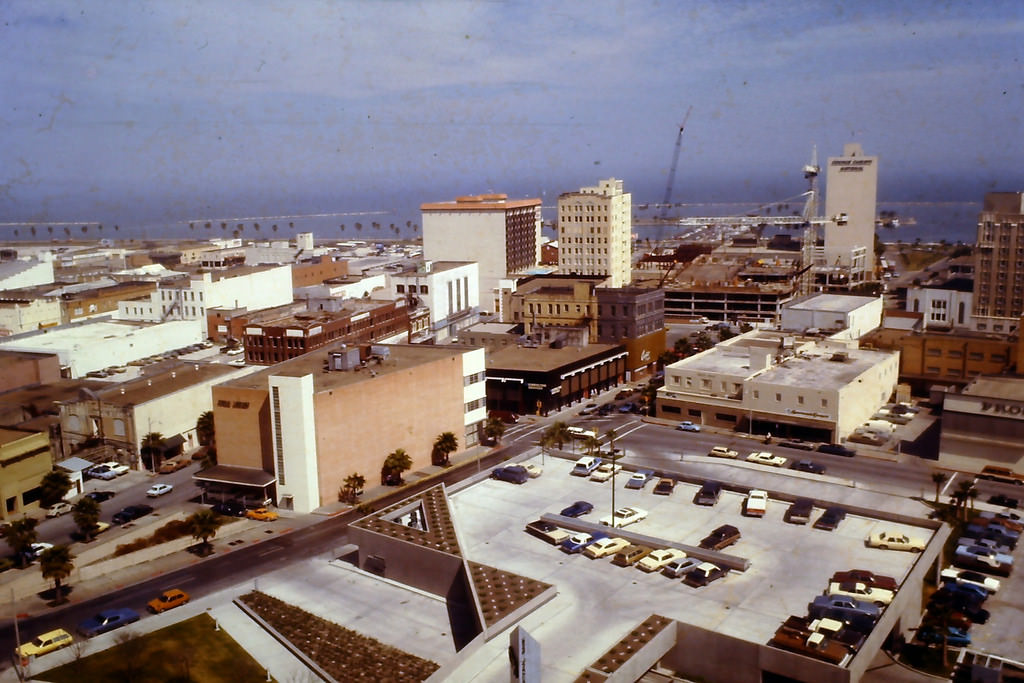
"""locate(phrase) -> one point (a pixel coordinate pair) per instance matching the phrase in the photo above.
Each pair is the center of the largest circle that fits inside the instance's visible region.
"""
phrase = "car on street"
(546, 531)
(172, 465)
(766, 458)
(627, 407)
(836, 449)
(708, 493)
(969, 578)
(588, 409)
(867, 577)
(860, 591)
(514, 474)
(722, 537)
(722, 452)
(261, 514)
(830, 518)
(799, 511)
(58, 509)
(45, 643)
(577, 509)
(687, 426)
(229, 508)
(1005, 501)
(624, 516)
(77, 534)
(703, 574)
(665, 486)
(159, 490)
(797, 444)
(100, 496)
(107, 620)
(169, 599)
(579, 541)
(681, 566)
(953, 636)
(639, 479)
(894, 540)
(36, 549)
(131, 513)
(808, 466)
(658, 559)
(101, 472)
(605, 471)
(533, 470)
(604, 547)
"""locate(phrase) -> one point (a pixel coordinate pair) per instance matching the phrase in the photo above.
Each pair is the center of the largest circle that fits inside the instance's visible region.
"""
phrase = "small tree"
(152, 445)
(203, 525)
(87, 516)
(559, 434)
(20, 535)
(56, 564)
(53, 487)
(444, 446)
(205, 430)
(397, 462)
(352, 487)
(494, 428)
(592, 444)
(938, 478)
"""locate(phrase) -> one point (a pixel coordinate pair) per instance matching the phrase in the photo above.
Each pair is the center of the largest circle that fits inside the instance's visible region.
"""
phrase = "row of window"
(412, 289)
(475, 405)
(474, 378)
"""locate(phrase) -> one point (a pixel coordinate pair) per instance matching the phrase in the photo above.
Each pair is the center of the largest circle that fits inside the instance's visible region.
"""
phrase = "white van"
(883, 427)
(580, 433)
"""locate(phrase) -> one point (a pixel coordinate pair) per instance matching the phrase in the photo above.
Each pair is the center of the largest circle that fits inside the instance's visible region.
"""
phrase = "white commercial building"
(449, 290)
(101, 343)
(25, 315)
(503, 236)
(330, 296)
(786, 385)
(944, 306)
(850, 206)
(594, 232)
(251, 288)
(282, 251)
(840, 315)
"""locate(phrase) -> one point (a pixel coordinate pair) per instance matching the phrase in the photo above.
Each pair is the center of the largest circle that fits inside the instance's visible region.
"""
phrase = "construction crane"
(667, 200)
(811, 172)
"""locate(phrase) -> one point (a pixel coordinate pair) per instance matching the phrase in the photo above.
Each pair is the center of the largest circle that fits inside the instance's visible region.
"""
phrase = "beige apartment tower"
(594, 236)
(851, 193)
(999, 263)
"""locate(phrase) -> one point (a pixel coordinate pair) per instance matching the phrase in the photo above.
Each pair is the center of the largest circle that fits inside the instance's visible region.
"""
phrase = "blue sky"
(168, 111)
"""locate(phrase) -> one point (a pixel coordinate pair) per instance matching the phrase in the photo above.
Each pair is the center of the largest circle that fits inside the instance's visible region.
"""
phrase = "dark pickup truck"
(722, 537)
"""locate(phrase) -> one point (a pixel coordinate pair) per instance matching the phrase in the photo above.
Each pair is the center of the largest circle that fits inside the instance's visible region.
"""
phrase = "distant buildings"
(999, 268)
(502, 235)
(448, 290)
(594, 232)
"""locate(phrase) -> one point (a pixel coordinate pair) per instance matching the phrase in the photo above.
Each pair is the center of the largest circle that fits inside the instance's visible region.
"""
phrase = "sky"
(185, 110)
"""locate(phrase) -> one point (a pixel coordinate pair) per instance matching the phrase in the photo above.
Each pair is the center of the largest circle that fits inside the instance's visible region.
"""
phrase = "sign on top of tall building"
(502, 235)
(594, 236)
(851, 193)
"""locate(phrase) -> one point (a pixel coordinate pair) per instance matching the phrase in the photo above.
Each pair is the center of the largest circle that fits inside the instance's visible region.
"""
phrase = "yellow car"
(48, 642)
(261, 514)
(169, 599)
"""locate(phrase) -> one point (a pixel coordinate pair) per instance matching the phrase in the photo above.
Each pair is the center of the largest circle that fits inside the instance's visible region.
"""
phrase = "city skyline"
(163, 112)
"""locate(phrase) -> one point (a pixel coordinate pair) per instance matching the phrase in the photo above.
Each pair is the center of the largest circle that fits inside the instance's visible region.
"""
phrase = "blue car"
(639, 479)
(577, 509)
(578, 541)
(107, 620)
(954, 636)
(515, 474)
(688, 426)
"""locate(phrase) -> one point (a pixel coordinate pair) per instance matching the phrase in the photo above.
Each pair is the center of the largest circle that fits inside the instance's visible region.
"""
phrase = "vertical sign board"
(524, 657)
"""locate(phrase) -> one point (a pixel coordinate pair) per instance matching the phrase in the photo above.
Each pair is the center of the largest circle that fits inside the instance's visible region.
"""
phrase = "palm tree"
(52, 487)
(592, 444)
(56, 563)
(444, 446)
(494, 428)
(203, 525)
(938, 478)
(353, 486)
(964, 490)
(397, 462)
(86, 514)
(610, 437)
(20, 535)
(152, 444)
(559, 433)
(205, 429)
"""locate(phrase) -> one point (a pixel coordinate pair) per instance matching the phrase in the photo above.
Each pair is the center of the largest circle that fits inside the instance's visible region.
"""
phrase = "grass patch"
(190, 650)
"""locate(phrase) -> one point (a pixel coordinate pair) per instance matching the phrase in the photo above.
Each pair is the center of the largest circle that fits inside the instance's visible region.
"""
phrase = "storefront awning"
(234, 475)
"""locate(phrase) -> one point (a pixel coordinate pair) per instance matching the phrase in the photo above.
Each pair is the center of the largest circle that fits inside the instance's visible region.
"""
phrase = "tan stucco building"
(25, 457)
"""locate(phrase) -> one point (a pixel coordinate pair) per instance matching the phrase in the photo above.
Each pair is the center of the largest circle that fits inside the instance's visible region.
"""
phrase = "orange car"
(261, 514)
(169, 599)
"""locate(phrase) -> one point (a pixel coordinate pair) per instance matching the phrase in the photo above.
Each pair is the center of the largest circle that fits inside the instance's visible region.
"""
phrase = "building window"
(800, 400)
(725, 417)
(401, 289)
(671, 409)
(778, 398)
(423, 289)
(824, 403)
(118, 427)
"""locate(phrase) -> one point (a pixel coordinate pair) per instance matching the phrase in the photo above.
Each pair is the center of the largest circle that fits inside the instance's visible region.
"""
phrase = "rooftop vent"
(840, 357)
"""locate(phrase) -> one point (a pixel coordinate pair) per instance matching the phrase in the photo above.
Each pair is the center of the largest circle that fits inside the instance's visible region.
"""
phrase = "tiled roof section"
(622, 651)
(433, 506)
(500, 592)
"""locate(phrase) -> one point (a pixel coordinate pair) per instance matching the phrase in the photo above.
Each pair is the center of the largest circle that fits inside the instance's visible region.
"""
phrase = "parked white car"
(624, 517)
(58, 509)
(766, 458)
(722, 452)
(659, 558)
(861, 591)
(116, 467)
(533, 470)
(889, 540)
(159, 490)
(605, 471)
(971, 578)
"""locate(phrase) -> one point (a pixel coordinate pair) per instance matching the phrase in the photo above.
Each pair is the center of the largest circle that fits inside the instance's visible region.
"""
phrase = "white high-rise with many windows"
(594, 236)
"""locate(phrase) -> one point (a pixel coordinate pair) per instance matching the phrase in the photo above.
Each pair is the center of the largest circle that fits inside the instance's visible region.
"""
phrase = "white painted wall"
(467, 236)
(16, 318)
(295, 465)
(941, 307)
(26, 274)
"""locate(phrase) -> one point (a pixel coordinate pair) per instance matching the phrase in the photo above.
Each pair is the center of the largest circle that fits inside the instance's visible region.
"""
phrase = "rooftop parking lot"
(789, 564)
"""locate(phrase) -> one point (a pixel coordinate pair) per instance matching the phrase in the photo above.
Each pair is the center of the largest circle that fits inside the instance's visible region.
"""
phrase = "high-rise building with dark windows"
(999, 263)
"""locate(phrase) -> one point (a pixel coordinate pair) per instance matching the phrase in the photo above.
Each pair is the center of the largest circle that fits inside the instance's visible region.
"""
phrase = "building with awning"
(223, 482)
